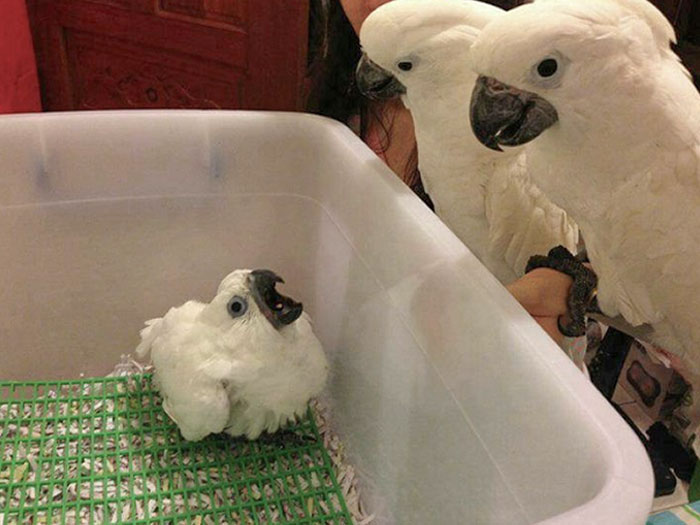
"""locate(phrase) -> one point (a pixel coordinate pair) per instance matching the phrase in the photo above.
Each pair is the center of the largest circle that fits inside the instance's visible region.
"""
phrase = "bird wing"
(160, 325)
(522, 221)
(189, 370)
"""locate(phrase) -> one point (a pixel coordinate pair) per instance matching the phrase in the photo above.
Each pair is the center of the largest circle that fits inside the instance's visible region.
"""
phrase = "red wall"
(19, 87)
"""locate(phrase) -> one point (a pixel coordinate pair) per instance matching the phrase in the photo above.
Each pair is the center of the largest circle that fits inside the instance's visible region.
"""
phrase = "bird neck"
(452, 162)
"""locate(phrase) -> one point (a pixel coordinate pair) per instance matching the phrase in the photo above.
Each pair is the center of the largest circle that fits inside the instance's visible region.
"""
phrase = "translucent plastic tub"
(453, 405)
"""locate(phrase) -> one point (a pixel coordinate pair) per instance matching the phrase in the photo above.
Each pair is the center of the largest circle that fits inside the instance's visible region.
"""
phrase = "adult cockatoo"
(420, 49)
(614, 124)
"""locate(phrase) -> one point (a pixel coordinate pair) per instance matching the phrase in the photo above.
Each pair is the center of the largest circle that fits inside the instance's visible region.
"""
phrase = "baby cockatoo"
(420, 49)
(615, 120)
(246, 363)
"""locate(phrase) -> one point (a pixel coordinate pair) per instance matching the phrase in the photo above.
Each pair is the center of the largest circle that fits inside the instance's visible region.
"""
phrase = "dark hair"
(334, 53)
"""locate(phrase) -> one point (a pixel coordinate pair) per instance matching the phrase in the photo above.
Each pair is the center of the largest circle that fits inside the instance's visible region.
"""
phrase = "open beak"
(278, 309)
(502, 115)
(375, 82)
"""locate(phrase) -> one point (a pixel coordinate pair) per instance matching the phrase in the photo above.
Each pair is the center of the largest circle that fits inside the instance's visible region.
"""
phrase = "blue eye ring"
(237, 306)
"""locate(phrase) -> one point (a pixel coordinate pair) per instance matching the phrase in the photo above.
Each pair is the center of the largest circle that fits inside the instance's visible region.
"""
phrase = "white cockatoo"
(420, 49)
(615, 120)
(245, 363)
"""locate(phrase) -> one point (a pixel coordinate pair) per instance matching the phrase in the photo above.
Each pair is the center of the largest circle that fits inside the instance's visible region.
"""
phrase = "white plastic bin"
(453, 404)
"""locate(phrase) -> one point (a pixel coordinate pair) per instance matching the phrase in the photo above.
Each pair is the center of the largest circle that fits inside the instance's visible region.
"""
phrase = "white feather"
(623, 157)
(485, 197)
(239, 375)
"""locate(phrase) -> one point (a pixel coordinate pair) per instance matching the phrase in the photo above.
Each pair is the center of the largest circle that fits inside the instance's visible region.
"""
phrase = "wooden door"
(112, 54)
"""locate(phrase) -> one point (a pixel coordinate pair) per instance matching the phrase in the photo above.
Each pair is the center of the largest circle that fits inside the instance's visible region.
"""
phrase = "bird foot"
(287, 437)
(582, 294)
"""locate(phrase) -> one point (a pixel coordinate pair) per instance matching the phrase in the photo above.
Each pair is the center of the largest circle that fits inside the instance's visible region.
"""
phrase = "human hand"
(543, 293)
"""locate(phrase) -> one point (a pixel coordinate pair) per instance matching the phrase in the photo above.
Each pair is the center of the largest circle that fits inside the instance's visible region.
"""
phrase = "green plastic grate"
(103, 451)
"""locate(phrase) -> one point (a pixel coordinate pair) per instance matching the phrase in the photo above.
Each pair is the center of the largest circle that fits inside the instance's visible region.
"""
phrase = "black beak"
(502, 115)
(375, 82)
(277, 308)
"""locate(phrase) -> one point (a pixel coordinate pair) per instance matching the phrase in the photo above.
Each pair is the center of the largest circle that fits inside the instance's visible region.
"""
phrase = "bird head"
(246, 295)
(411, 45)
(562, 64)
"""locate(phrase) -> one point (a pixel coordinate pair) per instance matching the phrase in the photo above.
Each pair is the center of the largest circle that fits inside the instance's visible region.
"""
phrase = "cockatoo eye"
(405, 65)
(237, 306)
(547, 67)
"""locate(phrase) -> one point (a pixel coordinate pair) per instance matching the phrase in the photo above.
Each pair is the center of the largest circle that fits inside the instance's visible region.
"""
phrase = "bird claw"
(581, 297)
(286, 437)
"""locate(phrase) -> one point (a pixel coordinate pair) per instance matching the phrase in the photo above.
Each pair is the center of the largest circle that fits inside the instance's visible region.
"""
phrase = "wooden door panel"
(214, 44)
(286, 59)
(226, 11)
(125, 4)
(106, 75)
(106, 54)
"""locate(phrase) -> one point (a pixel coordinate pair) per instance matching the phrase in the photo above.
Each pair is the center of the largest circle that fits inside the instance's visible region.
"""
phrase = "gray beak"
(278, 309)
(375, 82)
(502, 115)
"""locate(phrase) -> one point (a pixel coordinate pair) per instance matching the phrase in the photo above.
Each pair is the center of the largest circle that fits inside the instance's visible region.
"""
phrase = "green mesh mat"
(103, 451)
